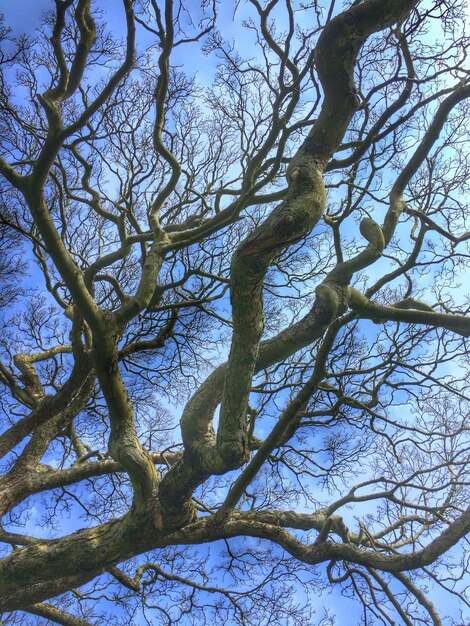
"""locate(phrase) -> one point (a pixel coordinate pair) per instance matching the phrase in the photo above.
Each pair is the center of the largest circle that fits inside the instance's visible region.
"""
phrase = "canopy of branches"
(233, 364)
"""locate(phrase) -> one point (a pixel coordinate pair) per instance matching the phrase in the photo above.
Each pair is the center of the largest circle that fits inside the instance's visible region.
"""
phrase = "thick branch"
(370, 310)
(29, 574)
(56, 615)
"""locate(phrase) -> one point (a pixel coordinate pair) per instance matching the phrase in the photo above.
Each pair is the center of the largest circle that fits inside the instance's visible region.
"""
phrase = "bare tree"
(233, 322)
